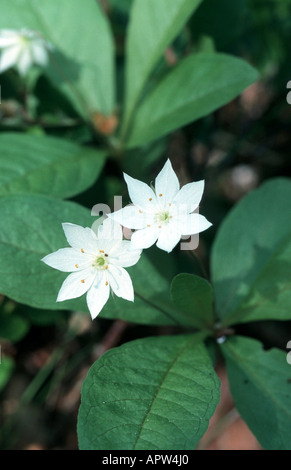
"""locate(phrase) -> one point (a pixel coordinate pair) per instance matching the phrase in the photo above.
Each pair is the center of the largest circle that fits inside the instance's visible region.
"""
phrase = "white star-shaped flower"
(96, 263)
(22, 49)
(164, 214)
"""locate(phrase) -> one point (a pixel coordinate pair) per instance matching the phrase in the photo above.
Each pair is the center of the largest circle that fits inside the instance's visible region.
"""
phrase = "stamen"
(106, 267)
(76, 265)
(160, 195)
(159, 226)
(83, 281)
(101, 251)
(106, 254)
(150, 199)
(106, 283)
(140, 211)
(148, 225)
(82, 250)
(170, 203)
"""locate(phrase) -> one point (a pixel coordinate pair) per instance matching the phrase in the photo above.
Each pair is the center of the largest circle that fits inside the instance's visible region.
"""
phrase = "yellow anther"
(101, 251)
(76, 265)
(82, 250)
(159, 226)
(140, 211)
(170, 203)
(83, 281)
(160, 195)
(148, 225)
(106, 283)
(150, 199)
(106, 267)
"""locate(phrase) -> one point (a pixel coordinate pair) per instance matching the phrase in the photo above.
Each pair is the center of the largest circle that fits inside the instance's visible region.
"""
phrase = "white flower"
(22, 49)
(96, 263)
(163, 214)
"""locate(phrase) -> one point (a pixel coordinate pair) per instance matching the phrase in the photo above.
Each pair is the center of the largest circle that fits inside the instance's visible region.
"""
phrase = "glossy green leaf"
(251, 258)
(47, 165)
(82, 63)
(197, 86)
(193, 296)
(150, 394)
(152, 304)
(260, 383)
(153, 26)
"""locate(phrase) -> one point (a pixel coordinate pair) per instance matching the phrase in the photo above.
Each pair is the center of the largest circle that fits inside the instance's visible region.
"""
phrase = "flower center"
(163, 217)
(100, 262)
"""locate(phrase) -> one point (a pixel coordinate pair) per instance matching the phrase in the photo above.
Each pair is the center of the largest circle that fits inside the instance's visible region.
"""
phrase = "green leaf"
(193, 296)
(82, 64)
(251, 257)
(260, 383)
(30, 229)
(149, 394)
(6, 369)
(153, 26)
(197, 86)
(47, 165)
(152, 303)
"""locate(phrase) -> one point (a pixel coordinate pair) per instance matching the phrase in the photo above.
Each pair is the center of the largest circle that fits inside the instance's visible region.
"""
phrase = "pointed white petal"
(68, 260)
(140, 193)
(144, 238)
(110, 230)
(120, 282)
(25, 61)
(123, 256)
(168, 238)
(190, 224)
(132, 217)
(189, 196)
(98, 294)
(167, 184)
(76, 284)
(8, 41)
(9, 58)
(39, 54)
(81, 238)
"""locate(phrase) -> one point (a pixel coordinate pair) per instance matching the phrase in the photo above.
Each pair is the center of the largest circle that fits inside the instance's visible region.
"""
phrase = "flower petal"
(98, 294)
(110, 230)
(132, 217)
(25, 61)
(189, 196)
(81, 238)
(76, 284)
(39, 54)
(144, 238)
(9, 58)
(140, 193)
(167, 184)
(168, 238)
(189, 224)
(120, 282)
(123, 256)
(68, 260)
